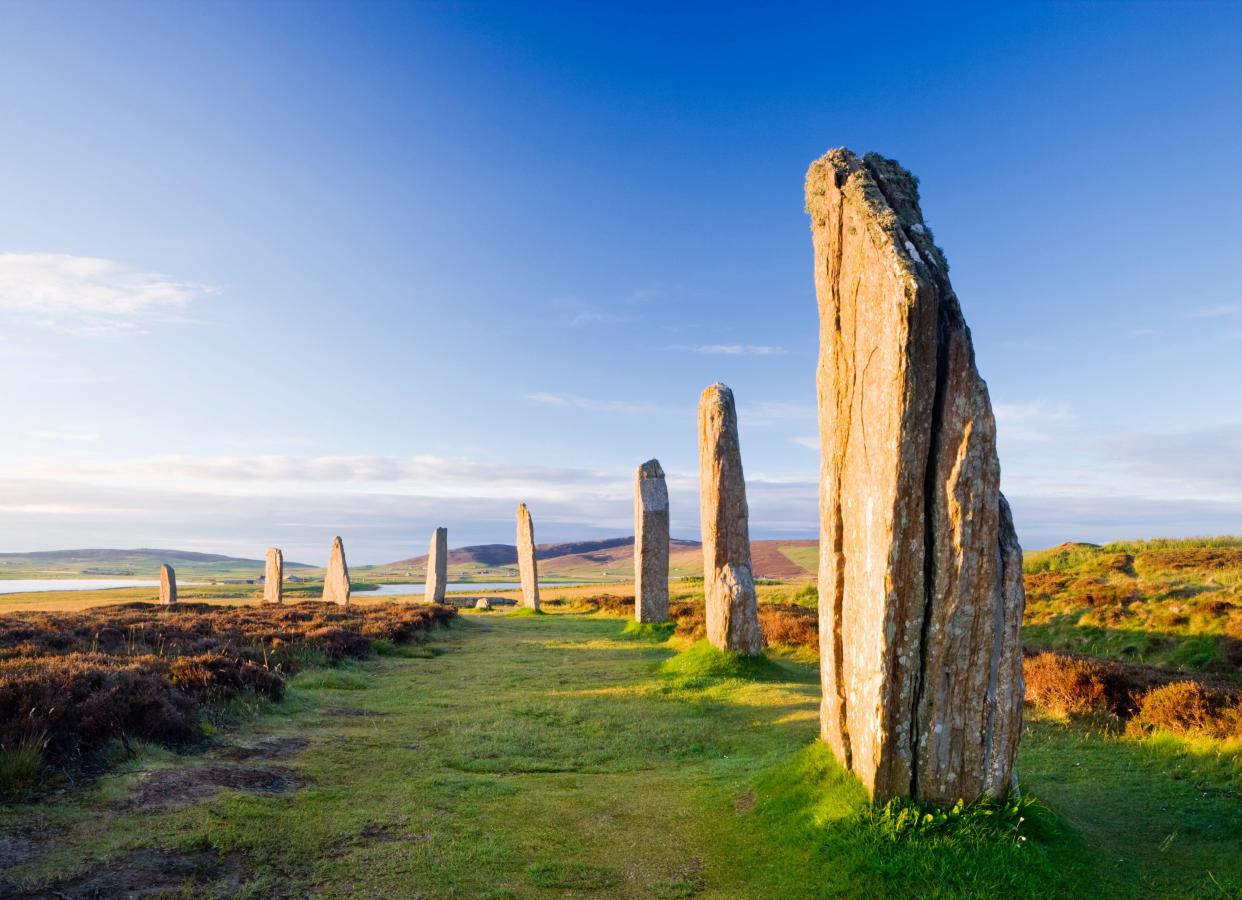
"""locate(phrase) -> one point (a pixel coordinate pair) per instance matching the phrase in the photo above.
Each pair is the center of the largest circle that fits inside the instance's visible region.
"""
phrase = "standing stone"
(336, 582)
(920, 572)
(168, 585)
(650, 543)
(527, 568)
(274, 576)
(437, 566)
(728, 582)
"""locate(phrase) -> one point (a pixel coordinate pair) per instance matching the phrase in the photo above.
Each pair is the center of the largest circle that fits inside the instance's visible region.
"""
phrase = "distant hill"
(141, 563)
(601, 560)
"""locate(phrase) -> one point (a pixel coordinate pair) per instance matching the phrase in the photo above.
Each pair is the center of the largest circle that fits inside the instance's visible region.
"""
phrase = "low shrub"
(1189, 708)
(789, 623)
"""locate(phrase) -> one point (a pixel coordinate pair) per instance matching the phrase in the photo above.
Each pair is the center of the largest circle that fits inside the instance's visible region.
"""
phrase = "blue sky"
(273, 272)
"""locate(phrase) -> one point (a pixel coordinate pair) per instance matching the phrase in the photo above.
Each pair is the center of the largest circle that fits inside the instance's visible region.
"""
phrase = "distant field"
(131, 564)
(1171, 603)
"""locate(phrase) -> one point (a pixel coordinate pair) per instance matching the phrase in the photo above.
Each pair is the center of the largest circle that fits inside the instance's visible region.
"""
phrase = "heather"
(71, 683)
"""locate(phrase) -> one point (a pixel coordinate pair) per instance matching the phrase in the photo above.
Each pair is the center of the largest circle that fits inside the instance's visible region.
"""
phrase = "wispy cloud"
(731, 349)
(383, 506)
(60, 435)
(89, 295)
(811, 443)
(1218, 311)
(772, 412)
(576, 401)
(580, 313)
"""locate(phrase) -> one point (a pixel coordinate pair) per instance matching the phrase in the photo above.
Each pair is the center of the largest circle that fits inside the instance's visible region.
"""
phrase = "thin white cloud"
(811, 443)
(61, 435)
(581, 313)
(1216, 312)
(732, 349)
(576, 401)
(772, 412)
(89, 295)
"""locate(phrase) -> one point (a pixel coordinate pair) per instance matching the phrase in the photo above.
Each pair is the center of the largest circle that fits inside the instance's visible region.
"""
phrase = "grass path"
(545, 756)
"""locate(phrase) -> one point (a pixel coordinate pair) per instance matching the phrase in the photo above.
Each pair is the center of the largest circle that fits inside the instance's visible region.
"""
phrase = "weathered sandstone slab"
(336, 581)
(527, 567)
(650, 543)
(437, 567)
(168, 585)
(728, 581)
(274, 576)
(920, 575)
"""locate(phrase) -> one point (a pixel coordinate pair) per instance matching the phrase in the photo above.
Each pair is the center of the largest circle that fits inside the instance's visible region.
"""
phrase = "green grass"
(703, 662)
(550, 756)
(648, 631)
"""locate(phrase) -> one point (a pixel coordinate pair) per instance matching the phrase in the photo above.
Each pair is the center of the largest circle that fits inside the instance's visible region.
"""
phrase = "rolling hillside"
(606, 560)
(142, 563)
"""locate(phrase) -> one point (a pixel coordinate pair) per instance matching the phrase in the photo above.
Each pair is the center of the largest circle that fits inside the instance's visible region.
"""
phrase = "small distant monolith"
(527, 566)
(650, 543)
(437, 566)
(920, 572)
(728, 581)
(336, 582)
(274, 576)
(168, 585)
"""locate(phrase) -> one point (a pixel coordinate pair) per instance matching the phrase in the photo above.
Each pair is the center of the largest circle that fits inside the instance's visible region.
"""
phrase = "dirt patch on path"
(276, 748)
(166, 788)
(150, 873)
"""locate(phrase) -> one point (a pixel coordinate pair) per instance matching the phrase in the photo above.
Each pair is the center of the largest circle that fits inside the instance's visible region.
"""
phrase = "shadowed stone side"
(336, 582)
(728, 582)
(437, 567)
(527, 567)
(920, 584)
(168, 585)
(274, 576)
(650, 543)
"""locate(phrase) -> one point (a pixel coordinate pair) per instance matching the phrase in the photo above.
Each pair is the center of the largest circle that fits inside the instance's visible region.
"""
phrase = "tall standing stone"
(527, 568)
(650, 543)
(728, 581)
(920, 572)
(437, 566)
(336, 581)
(274, 576)
(168, 585)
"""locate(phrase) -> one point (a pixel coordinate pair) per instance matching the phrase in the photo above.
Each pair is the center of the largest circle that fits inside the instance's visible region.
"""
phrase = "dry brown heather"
(1061, 684)
(74, 681)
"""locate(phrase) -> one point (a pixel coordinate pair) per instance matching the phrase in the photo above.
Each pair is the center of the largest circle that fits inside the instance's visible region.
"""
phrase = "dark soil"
(276, 748)
(148, 873)
(166, 788)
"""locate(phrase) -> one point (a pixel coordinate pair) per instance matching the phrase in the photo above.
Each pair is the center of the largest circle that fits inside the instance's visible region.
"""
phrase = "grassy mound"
(702, 660)
(648, 631)
(853, 847)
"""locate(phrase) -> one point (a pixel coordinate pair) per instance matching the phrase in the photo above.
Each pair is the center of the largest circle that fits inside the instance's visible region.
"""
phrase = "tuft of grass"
(525, 612)
(571, 876)
(330, 680)
(702, 660)
(21, 764)
(648, 631)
